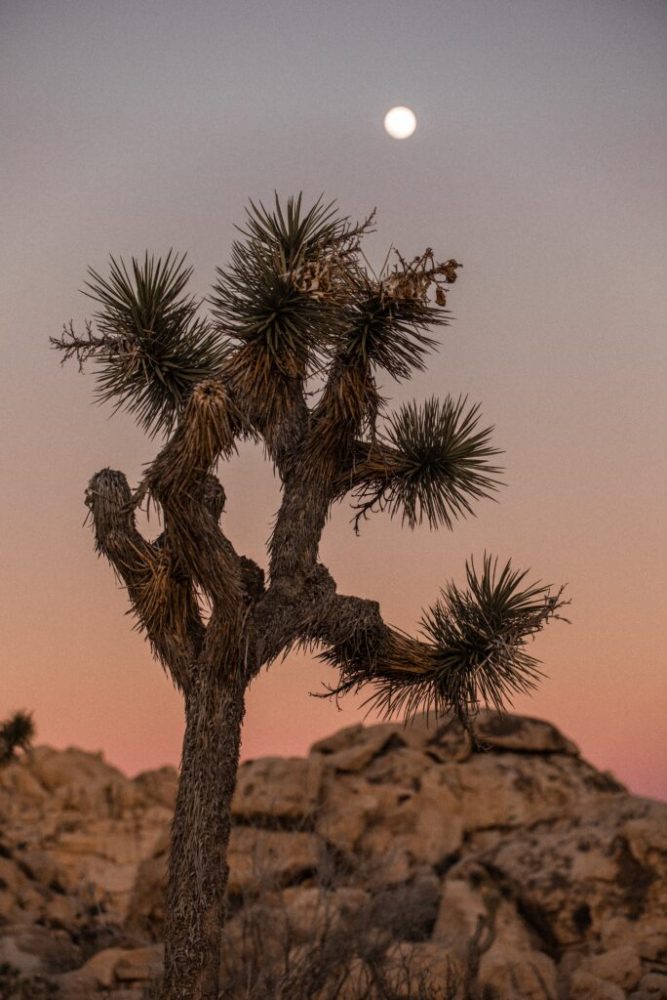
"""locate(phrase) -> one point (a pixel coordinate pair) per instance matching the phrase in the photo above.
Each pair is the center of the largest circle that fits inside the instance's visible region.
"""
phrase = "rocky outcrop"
(390, 859)
(74, 832)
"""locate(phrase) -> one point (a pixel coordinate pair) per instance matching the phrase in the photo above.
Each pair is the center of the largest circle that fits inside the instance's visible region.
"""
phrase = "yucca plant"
(300, 337)
(16, 733)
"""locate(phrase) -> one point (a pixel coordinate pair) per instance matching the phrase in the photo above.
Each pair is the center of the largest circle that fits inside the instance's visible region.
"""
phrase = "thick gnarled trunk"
(198, 869)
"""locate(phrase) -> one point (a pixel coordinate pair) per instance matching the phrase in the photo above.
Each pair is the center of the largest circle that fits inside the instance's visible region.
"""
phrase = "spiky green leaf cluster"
(16, 733)
(435, 463)
(154, 348)
(387, 318)
(474, 653)
(280, 290)
(389, 334)
(479, 637)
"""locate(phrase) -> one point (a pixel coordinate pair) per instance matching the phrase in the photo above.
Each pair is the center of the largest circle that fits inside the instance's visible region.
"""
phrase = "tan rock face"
(399, 856)
(585, 986)
(282, 789)
(517, 973)
(621, 966)
(111, 971)
(516, 732)
(269, 858)
(80, 828)
(311, 912)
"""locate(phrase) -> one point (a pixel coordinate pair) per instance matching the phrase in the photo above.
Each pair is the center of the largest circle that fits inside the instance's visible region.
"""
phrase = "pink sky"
(538, 161)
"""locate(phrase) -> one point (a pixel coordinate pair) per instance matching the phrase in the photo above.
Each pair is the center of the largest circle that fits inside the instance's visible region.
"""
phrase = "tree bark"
(198, 870)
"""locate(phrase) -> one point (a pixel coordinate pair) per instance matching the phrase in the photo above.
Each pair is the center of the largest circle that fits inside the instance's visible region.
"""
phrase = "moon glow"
(400, 122)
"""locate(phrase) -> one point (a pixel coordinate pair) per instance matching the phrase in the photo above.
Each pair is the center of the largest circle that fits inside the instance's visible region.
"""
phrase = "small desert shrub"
(16, 733)
(330, 939)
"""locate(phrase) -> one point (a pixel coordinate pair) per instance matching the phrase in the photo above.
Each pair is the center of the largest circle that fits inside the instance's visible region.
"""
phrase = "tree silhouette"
(299, 333)
(16, 733)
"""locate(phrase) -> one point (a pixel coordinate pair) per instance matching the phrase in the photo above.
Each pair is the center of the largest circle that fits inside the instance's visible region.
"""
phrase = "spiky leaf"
(475, 652)
(280, 291)
(430, 463)
(154, 348)
(479, 637)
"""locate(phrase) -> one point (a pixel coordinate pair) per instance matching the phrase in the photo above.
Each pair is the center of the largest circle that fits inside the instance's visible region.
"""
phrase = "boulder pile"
(391, 861)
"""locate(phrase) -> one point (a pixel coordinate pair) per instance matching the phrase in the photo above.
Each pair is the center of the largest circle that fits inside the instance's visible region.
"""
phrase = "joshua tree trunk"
(198, 867)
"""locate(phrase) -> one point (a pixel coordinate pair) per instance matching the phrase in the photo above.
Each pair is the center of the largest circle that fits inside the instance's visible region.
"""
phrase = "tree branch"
(161, 597)
(83, 347)
(363, 647)
(429, 462)
(294, 543)
(476, 653)
(347, 409)
(179, 481)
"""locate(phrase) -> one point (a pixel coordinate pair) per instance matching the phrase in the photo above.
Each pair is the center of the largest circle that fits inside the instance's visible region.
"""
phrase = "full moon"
(400, 122)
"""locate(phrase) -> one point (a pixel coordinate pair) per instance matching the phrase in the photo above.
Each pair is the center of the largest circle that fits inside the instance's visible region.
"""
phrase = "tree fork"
(161, 599)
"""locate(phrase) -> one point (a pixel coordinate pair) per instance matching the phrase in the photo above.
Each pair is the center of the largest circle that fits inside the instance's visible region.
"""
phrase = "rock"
(516, 732)
(404, 767)
(17, 894)
(60, 911)
(112, 967)
(474, 908)
(98, 971)
(621, 966)
(159, 786)
(140, 964)
(79, 828)
(398, 852)
(311, 911)
(510, 791)
(646, 836)
(279, 789)
(340, 740)
(648, 937)
(519, 975)
(655, 984)
(32, 948)
(349, 805)
(146, 908)
(356, 757)
(578, 871)
(585, 986)
(374, 740)
(405, 912)
(269, 859)
(426, 825)
(12, 954)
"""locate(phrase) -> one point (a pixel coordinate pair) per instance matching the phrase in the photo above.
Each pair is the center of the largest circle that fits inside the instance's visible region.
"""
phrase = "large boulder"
(396, 858)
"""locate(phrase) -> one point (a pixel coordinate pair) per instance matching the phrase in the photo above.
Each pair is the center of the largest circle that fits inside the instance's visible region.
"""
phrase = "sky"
(538, 161)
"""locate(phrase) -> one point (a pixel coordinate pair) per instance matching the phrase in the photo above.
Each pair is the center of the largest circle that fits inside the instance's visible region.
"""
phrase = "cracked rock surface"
(504, 863)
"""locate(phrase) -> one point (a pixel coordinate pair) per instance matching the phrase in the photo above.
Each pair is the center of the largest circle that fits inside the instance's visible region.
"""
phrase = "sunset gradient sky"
(538, 160)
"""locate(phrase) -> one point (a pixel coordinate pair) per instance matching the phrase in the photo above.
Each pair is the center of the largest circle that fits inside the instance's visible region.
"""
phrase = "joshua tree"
(299, 333)
(16, 733)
